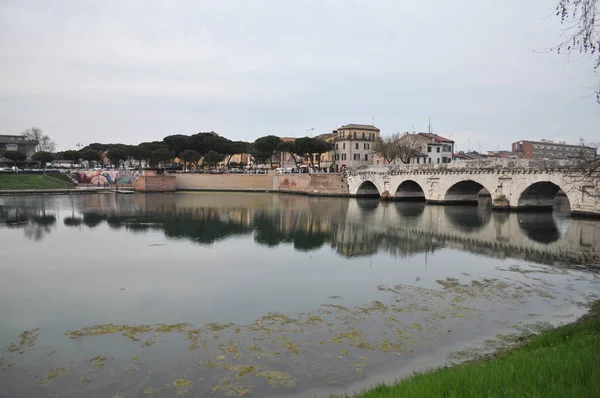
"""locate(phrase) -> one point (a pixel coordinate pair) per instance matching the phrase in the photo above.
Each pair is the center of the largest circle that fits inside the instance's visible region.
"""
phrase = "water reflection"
(352, 227)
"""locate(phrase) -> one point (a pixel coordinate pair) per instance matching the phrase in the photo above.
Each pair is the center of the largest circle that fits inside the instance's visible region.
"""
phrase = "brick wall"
(313, 184)
(155, 183)
(224, 182)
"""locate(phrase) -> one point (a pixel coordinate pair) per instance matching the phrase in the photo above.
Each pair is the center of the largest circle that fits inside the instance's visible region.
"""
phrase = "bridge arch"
(410, 190)
(368, 189)
(466, 192)
(542, 195)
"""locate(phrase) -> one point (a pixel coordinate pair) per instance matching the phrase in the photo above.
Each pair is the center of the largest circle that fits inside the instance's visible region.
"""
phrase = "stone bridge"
(512, 184)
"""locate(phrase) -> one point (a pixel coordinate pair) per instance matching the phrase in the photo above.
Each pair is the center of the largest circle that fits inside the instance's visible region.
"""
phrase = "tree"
(584, 32)
(321, 147)
(584, 165)
(212, 158)
(42, 157)
(161, 155)
(90, 156)
(72, 156)
(290, 147)
(14, 156)
(265, 147)
(178, 143)
(190, 156)
(44, 142)
(234, 148)
(402, 147)
(141, 152)
(116, 156)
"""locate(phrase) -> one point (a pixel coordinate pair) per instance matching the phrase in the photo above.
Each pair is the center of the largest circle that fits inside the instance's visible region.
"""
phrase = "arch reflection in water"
(539, 227)
(468, 219)
(351, 227)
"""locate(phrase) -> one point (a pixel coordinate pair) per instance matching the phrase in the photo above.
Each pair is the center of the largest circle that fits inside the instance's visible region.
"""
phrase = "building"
(17, 143)
(433, 149)
(547, 149)
(328, 158)
(353, 144)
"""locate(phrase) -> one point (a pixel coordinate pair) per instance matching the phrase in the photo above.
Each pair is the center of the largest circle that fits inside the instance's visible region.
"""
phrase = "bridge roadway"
(512, 184)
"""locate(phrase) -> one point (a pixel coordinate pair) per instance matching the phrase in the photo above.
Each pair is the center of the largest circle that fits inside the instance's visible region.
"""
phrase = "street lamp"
(310, 129)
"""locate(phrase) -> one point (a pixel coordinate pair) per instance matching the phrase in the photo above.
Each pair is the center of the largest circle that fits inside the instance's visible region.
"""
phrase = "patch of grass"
(562, 362)
(31, 181)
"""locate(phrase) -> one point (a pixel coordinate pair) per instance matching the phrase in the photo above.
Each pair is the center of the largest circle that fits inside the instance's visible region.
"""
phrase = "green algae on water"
(182, 383)
(52, 375)
(278, 379)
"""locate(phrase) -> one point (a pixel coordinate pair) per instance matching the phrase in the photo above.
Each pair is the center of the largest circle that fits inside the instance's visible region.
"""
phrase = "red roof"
(435, 137)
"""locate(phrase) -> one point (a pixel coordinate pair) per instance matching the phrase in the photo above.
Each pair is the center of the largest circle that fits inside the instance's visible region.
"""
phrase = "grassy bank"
(32, 181)
(563, 362)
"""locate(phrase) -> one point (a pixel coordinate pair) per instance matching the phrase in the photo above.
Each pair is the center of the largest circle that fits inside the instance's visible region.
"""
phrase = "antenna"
(373, 120)
(413, 128)
(430, 125)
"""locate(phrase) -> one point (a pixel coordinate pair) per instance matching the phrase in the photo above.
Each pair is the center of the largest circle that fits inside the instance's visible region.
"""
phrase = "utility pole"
(430, 125)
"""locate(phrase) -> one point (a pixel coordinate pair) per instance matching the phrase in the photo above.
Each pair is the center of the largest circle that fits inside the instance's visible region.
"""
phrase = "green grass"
(30, 181)
(61, 176)
(563, 362)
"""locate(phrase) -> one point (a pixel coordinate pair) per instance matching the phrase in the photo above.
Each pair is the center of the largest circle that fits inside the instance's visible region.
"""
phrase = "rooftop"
(436, 138)
(359, 127)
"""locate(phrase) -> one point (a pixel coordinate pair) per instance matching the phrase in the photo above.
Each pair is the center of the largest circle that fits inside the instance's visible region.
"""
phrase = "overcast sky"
(137, 70)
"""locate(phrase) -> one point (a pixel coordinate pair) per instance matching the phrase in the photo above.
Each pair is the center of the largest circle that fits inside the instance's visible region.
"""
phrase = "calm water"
(260, 295)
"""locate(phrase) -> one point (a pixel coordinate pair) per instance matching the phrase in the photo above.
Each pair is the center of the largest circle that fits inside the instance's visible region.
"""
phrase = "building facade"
(547, 149)
(433, 149)
(353, 144)
(17, 143)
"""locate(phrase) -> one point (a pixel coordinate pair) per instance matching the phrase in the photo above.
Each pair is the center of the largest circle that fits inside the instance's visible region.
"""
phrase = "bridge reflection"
(352, 227)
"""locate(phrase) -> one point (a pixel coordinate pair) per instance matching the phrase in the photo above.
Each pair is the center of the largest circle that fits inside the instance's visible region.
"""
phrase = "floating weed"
(334, 297)
(193, 335)
(353, 337)
(98, 361)
(177, 327)
(216, 326)
(388, 346)
(417, 327)
(27, 339)
(246, 370)
(278, 379)
(150, 391)
(182, 383)
(52, 375)
(231, 389)
(290, 345)
(360, 365)
(132, 332)
(280, 318)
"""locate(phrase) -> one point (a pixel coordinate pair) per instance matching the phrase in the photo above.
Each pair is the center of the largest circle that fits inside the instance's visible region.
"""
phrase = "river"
(266, 295)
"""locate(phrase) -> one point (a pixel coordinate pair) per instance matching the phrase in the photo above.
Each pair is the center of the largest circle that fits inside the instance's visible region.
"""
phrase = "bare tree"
(583, 32)
(387, 147)
(44, 142)
(409, 146)
(402, 147)
(584, 168)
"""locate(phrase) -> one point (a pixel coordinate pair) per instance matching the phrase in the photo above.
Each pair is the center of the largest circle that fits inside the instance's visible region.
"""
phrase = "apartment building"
(353, 145)
(548, 149)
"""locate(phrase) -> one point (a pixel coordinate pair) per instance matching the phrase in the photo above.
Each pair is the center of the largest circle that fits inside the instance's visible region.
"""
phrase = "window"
(337, 146)
(418, 159)
(363, 136)
(366, 146)
(357, 156)
(377, 161)
(337, 156)
(343, 156)
(344, 145)
(366, 156)
(438, 159)
(428, 148)
(438, 149)
(355, 135)
(429, 160)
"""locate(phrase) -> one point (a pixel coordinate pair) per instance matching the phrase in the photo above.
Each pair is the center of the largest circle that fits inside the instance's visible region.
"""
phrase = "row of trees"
(209, 148)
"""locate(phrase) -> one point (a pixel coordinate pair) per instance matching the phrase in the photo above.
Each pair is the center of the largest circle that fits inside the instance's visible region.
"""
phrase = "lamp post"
(309, 129)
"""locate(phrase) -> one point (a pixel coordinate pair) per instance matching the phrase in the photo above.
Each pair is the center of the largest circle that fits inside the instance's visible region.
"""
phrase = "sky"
(137, 70)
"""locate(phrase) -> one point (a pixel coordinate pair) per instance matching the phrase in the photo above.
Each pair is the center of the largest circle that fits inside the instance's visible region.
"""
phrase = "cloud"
(130, 71)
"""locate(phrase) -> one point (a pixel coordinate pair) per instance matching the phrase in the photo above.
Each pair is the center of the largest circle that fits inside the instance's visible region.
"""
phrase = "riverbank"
(26, 181)
(562, 362)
